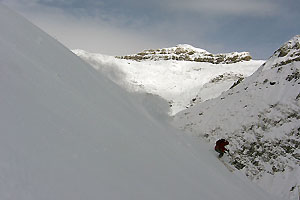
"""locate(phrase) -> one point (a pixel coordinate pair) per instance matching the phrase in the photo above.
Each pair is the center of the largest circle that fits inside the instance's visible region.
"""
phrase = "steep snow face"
(180, 83)
(288, 53)
(260, 117)
(67, 132)
(186, 52)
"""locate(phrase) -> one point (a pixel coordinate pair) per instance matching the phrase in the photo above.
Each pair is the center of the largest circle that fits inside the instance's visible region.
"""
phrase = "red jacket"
(220, 145)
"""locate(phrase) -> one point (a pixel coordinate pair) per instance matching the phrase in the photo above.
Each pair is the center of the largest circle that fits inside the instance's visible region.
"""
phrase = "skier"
(220, 147)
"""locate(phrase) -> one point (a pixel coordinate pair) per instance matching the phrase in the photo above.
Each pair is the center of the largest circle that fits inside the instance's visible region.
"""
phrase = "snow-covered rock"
(186, 52)
(180, 83)
(67, 132)
(260, 116)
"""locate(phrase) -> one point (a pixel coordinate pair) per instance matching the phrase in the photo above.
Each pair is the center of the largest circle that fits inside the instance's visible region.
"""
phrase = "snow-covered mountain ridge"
(185, 52)
(261, 118)
(181, 83)
(69, 133)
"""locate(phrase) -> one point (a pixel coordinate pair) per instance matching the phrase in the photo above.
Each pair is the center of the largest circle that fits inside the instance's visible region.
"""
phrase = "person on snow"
(220, 147)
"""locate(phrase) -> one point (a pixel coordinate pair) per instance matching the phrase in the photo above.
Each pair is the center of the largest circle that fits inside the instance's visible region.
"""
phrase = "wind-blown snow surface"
(181, 83)
(69, 133)
(261, 119)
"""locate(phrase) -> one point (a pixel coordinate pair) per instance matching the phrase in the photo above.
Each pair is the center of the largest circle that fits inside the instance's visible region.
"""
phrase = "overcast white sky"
(119, 27)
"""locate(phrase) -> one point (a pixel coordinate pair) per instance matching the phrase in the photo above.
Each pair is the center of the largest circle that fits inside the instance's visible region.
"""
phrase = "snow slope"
(181, 83)
(261, 119)
(67, 132)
